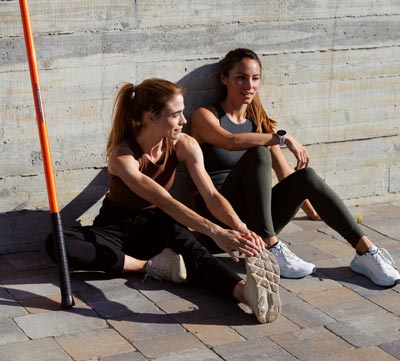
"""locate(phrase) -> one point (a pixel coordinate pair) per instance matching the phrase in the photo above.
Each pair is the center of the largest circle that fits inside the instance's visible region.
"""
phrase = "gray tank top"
(218, 161)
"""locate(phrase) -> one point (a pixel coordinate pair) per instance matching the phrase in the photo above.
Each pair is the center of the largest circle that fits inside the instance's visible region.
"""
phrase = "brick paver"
(253, 350)
(369, 329)
(138, 327)
(332, 315)
(10, 332)
(311, 341)
(212, 334)
(168, 344)
(94, 343)
(340, 303)
(45, 349)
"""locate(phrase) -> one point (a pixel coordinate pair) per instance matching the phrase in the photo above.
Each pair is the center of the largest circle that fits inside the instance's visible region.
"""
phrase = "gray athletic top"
(218, 161)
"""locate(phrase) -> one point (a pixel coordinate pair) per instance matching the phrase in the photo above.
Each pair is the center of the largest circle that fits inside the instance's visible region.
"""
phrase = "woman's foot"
(290, 265)
(377, 265)
(261, 291)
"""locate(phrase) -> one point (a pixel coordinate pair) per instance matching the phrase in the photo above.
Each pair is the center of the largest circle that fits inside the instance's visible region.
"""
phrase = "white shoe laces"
(384, 258)
(286, 252)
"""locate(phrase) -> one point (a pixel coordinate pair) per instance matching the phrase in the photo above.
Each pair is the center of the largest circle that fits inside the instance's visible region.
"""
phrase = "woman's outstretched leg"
(306, 184)
(260, 290)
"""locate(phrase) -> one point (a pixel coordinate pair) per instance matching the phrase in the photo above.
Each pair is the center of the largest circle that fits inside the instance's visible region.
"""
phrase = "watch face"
(281, 132)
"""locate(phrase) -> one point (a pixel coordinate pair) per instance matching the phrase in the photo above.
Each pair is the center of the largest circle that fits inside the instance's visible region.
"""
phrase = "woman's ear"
(223, 79)
(148, 117)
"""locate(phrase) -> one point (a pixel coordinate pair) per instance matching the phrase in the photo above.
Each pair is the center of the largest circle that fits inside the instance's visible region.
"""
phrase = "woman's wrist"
(271, 139)
(212, 229)
(288, 139)
(241, 227)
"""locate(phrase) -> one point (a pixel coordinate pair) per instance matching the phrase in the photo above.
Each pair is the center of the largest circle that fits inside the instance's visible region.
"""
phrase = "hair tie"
(132, 89)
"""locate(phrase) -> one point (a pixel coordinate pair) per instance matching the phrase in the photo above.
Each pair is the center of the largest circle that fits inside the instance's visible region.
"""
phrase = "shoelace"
(385, 257)
(287, 253)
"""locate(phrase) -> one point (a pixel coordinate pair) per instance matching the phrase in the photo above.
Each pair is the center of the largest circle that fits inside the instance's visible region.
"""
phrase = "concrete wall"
(332, 76)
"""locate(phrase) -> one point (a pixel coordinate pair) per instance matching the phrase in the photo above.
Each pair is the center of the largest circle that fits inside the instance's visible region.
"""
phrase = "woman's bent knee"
(261, 154)
(309, 173)
(310, 177)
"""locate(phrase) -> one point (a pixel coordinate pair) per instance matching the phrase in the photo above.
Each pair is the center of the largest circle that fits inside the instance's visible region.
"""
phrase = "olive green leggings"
(267, 210)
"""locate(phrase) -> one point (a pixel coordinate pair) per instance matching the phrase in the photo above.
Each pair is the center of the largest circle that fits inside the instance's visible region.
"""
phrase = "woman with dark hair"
(241, 147)
(142, 228)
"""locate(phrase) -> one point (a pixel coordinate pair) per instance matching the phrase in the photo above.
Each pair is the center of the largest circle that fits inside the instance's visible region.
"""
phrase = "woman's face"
(171, 120)
(243, 81)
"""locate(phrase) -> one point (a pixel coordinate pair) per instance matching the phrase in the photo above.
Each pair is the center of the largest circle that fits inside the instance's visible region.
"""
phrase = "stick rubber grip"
(67, 300)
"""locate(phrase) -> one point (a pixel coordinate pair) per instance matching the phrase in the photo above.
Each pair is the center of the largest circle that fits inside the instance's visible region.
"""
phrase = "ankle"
(238, 292)
(134, 265)
(271, 242)
(363, 245)
(371, 250)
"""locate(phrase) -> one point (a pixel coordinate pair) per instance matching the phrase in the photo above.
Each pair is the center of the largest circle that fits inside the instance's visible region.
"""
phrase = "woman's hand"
(251, 236)
(233, 241)
(299, 152)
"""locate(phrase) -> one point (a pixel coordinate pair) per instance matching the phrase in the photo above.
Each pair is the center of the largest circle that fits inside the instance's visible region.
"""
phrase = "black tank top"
(218, 161)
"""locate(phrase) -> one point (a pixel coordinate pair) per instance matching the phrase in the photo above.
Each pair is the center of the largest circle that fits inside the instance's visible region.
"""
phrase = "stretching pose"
(142, 228)
(241, 147)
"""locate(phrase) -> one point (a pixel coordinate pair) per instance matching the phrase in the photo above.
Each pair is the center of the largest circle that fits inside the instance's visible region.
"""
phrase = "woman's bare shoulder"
(120, 156)
(205, 111)
(185, 140)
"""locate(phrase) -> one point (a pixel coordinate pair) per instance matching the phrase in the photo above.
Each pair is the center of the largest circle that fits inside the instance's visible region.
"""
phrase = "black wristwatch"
(281, 135)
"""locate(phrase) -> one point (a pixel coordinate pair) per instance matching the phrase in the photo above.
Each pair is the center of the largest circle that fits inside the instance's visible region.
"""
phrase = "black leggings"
(114, 234)
(267, 210)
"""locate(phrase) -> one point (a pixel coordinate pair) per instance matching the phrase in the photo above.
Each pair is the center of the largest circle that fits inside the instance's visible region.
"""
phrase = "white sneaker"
(378, 265)
(291, 266)
(167, 265)
(261, 290)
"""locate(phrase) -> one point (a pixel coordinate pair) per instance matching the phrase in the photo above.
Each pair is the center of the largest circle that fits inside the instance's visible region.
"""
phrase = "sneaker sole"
(297, 275)
(263, 272)
(181, 274)
(356, 267)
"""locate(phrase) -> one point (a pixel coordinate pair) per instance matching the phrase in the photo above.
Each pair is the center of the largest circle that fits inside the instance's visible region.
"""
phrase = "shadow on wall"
(26, 230)
(90, 195)
(201, 87)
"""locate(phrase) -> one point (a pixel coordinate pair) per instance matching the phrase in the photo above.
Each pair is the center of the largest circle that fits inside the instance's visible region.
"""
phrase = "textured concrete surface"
(333, 315)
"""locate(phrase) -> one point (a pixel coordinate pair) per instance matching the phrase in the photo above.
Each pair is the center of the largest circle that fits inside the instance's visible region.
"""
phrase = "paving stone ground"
(332, 315)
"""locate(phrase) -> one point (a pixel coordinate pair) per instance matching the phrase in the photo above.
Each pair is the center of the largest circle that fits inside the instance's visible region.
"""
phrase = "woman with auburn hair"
(142, 228)
(241, 147)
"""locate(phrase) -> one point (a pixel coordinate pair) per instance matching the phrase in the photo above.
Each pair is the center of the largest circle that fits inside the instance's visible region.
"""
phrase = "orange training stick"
(41, 122)
(67, 300)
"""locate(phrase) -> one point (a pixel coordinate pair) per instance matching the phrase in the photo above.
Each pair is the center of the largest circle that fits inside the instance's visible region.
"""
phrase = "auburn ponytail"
(122, 118)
